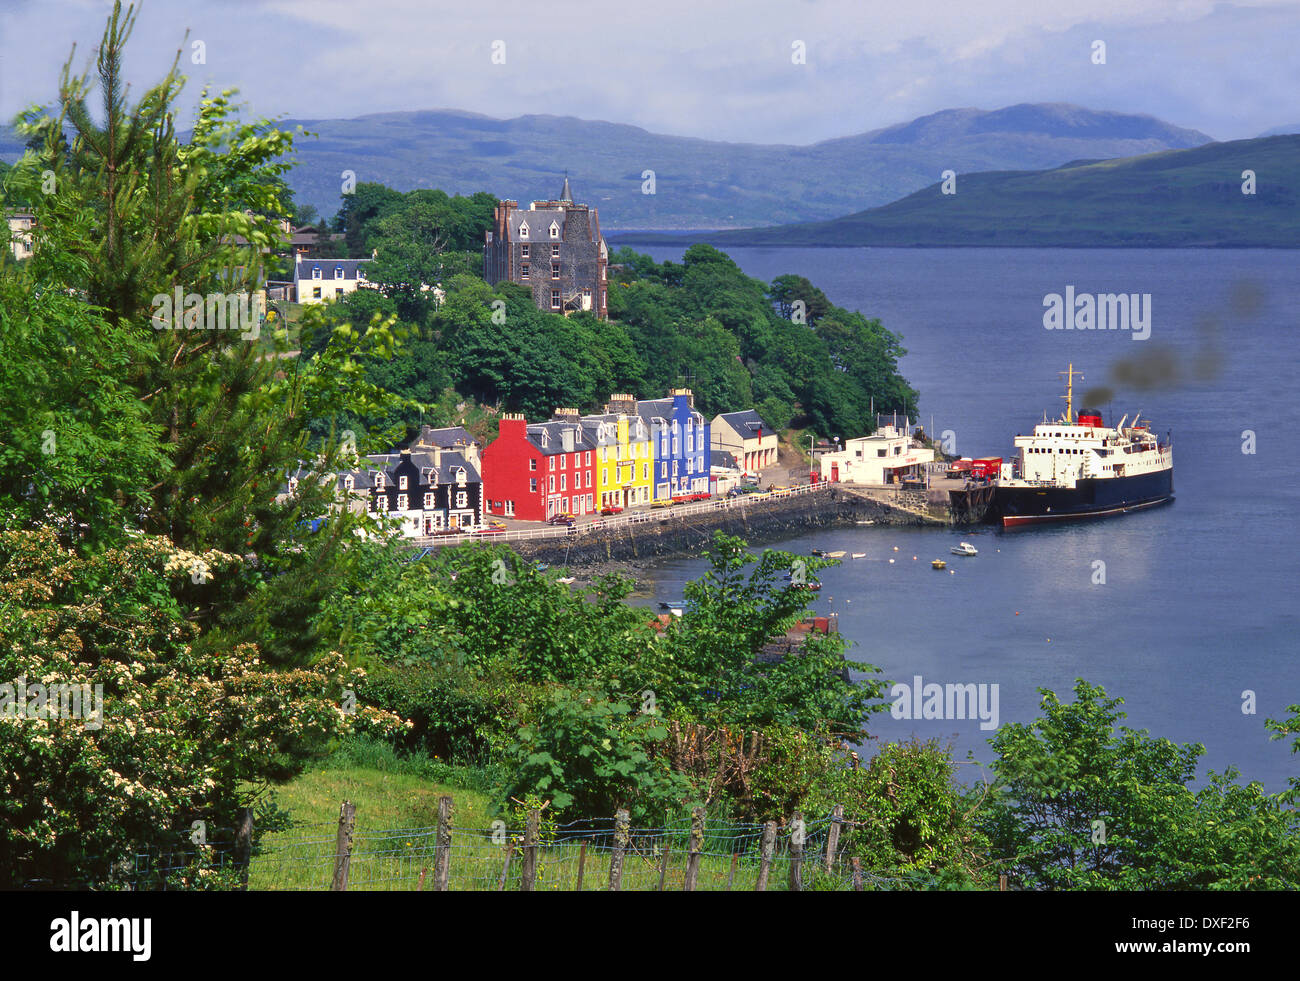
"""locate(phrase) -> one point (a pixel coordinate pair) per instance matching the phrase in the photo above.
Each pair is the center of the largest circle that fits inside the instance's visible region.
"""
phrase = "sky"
(717, 70)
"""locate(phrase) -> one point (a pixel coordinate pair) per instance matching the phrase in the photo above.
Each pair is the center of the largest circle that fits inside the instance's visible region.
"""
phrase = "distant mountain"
(1171, 199)
(702, 183)
(699, 183)
(1282, 130)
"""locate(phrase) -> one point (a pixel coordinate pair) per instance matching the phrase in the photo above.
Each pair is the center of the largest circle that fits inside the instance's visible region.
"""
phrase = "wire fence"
(586, 855)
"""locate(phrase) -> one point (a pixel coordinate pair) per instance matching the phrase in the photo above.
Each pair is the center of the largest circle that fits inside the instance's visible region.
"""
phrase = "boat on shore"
(1078, 467)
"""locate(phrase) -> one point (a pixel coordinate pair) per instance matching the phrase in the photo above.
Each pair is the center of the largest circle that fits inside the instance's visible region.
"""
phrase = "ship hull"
(1090, 498)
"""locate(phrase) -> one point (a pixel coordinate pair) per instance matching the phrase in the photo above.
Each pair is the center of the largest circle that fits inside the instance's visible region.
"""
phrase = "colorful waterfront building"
(680, 438)
(535, 471)
(624, 456)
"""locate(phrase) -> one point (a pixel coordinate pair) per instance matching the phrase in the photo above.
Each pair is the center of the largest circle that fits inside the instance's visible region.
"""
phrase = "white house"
(318, 280)
(887, 456)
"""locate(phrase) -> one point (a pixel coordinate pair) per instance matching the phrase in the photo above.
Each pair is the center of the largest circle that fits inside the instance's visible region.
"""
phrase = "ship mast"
(1069, 393)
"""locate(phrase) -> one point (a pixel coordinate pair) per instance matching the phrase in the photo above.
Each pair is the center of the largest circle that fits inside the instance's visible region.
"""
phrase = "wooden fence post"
(582, 864)
(857, 875)
(442, 849)
(833, 835)
(244, 847)
(621, 821)
(731, 876)
(765, 864)
(696, 846)
(663, 865)
(798, 830)
(531, 825)
(505, 867)
(343, 846)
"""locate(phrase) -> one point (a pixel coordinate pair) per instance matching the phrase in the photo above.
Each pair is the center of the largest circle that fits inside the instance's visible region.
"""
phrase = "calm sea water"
(1200, 600)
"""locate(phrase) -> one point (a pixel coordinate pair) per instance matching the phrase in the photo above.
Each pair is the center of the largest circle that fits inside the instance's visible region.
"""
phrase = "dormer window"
(348, 483)
(402, 482)
(361, 273)
(338, 272)
(293, 485)
(315, 272)
(555, 229)
(460, 475)
(523, 229)
(379, 481)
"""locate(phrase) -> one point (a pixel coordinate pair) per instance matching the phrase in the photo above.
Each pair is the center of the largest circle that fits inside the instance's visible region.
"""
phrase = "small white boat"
(567, 580)
(859, 555)
(836, 555)
(965, 548)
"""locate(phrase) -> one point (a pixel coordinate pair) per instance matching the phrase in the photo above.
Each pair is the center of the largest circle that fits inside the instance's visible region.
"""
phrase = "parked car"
(490, 530)
(656, 505)
(499, 525)
(612, 509)
(561, 519)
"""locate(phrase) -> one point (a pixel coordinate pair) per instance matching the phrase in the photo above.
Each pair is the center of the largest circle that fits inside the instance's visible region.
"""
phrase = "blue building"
(680, 439)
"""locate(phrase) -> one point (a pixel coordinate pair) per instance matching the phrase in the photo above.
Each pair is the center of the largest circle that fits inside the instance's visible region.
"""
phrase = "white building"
(318, 280)
(21, 224)
(887, 456)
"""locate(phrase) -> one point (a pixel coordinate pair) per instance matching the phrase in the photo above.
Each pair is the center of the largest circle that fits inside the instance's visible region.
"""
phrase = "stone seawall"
(754, 521)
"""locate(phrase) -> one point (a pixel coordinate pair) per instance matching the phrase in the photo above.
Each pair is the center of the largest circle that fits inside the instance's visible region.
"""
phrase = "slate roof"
(303, 267)
(582, 439)
(448, 437)
(721, 458)
(747, 423)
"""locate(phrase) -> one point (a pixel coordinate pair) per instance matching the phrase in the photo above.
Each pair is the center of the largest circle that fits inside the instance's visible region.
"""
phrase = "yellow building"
(624, 459)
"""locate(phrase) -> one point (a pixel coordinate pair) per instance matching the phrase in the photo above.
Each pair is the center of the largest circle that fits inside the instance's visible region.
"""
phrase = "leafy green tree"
(710, 664)
(1082, 804)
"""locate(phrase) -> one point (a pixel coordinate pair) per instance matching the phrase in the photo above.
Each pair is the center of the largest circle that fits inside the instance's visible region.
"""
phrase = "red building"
(532, 472)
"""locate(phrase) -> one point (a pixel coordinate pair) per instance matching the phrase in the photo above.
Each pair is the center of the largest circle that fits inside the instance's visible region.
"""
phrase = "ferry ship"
(1078, 468)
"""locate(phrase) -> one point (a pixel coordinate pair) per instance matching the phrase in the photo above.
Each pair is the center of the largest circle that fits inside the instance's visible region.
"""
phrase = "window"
(552, 484)
(462, 498)
(552, 462)
(510, 509)
(401, 502)
(532, 464)
(361, 273)
(555, 251)
(348, 482)
(523, 229)
(645, 471)
(293, 485)
(532, 484)
(555, 299)
(379, 481)
(663, 470)
(523, 252)
(402, 482)
(523, 271)
(564, 482)
(564, 462)
(555, 270)
(315, 292)
(428, 500)
(589, 458)
(315, 272)
(604, 476)
(555, 229)
(338, 272)
(880, 452)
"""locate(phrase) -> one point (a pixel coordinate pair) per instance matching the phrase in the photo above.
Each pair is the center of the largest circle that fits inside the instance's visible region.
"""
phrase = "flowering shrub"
(180, 731)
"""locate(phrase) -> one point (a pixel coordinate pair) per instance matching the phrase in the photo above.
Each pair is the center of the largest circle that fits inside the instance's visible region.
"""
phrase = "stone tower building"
(554, 248)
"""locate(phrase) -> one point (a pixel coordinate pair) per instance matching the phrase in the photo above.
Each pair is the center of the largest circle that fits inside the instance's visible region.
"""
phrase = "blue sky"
(719, 70)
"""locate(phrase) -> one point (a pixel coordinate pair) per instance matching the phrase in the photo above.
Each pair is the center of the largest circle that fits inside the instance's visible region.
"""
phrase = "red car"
(612, 509)
(561, 519)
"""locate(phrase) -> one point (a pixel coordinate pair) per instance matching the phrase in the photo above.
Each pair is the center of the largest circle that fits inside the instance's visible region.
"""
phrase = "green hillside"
(1177, 198)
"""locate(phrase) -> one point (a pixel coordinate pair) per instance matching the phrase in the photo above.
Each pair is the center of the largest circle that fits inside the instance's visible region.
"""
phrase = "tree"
(1083, 805)
(171, 736)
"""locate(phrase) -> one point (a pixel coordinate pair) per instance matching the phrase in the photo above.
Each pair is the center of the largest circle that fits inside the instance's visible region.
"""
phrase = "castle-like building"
(554, 248)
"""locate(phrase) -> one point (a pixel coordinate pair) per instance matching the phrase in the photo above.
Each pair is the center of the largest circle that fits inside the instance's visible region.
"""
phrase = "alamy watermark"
(1099, 311)
(60, 700)
(208, 311)
(952, 701)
